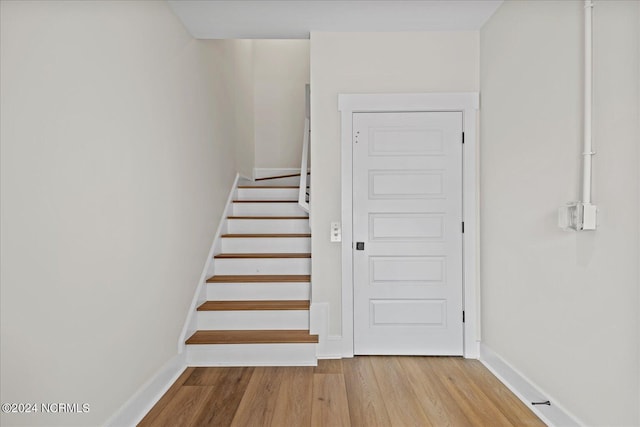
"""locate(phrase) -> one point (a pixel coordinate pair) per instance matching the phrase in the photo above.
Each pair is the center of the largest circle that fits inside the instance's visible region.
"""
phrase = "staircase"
(257, 302)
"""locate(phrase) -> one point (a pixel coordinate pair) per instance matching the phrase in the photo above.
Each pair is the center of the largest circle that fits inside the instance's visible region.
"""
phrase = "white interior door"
(407, 233)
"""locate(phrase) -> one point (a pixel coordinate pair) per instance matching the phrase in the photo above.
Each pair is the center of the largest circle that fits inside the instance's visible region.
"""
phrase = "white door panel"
(407, 211)
(408, 312)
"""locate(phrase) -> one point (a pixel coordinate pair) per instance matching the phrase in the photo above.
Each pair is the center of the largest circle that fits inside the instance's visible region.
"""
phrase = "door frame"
(468, 104)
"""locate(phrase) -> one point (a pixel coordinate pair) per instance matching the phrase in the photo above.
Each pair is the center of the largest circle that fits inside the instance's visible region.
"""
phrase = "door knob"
(359, 246)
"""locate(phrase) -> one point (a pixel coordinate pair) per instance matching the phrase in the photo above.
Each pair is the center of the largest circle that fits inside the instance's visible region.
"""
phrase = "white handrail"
(304, 196)
(304, 168)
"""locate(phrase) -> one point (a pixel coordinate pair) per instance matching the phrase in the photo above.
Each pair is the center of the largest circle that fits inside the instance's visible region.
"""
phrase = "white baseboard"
(201, 291)
(269, 172)
(132, 412)
(472, 350)
(527, 391)
(329, 346)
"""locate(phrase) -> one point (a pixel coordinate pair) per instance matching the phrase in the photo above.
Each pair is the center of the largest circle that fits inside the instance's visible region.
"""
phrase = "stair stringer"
(200, 294)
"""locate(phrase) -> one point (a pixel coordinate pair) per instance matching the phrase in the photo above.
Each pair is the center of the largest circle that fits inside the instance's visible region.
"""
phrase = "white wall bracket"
(578, 216)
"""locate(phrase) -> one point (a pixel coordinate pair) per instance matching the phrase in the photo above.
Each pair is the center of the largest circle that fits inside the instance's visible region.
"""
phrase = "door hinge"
(463, 137)
(463, 227)
(462, 316)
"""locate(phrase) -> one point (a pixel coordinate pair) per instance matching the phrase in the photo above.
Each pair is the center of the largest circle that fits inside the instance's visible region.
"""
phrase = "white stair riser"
(241, 266)
(267, 209)
(252, 355)
(260, 244)
(253, 319)
(269, 226)
(268, 194)
(257, 291)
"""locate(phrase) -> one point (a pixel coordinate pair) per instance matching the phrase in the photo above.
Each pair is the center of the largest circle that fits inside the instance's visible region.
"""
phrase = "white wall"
(562, 307)
(281, 71)
(117, 157)
(269, 88)
(243, 89)
(370, 63)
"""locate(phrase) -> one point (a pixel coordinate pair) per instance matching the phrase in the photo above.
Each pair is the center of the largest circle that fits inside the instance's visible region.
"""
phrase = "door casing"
(468, 104)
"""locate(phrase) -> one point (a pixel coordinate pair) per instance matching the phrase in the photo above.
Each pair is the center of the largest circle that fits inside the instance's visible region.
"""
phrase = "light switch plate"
(336, 232)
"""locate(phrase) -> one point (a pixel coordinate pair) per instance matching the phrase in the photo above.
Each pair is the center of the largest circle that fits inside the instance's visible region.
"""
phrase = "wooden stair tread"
(263, 255)
(253, 337)
(265, 201)
(254, 305)
(235, 236)
(286, 187)
(267, 217)
(271, 278)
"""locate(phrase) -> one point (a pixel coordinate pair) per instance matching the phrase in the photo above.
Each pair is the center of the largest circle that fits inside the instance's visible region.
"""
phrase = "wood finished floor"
(363, 391)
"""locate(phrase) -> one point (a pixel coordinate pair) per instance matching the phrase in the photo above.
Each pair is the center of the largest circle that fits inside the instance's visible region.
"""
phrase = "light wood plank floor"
(363, 391)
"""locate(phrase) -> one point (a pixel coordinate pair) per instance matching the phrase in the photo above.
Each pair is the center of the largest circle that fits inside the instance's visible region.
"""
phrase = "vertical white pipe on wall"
(588, 90)
(582, 215)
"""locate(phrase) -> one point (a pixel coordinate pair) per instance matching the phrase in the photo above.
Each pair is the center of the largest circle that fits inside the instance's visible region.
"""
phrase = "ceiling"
(295, 19)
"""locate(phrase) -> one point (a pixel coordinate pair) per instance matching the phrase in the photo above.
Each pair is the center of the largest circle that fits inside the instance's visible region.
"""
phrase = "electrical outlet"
(336, 232)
